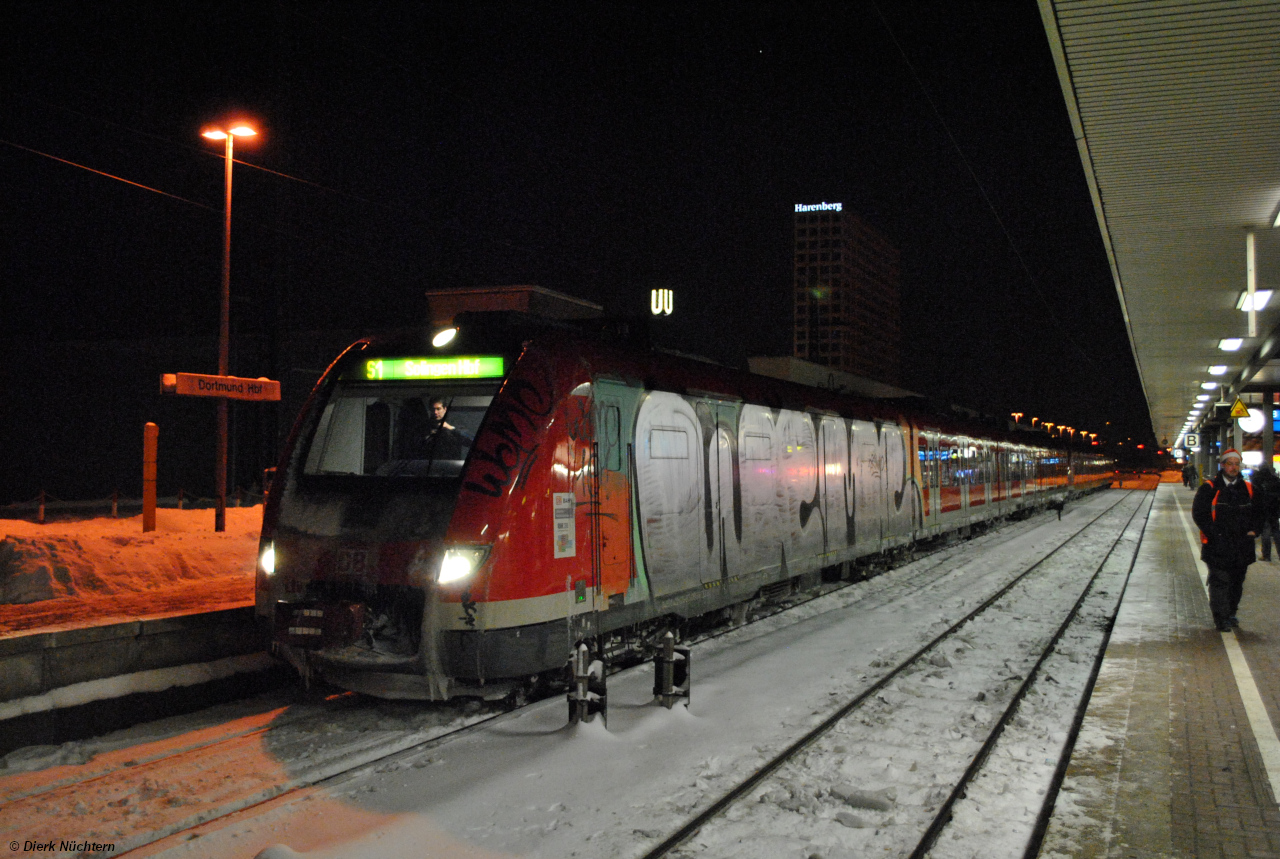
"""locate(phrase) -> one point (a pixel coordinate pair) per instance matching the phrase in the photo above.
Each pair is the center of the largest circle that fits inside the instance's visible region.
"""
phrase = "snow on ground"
(98, 571)
(529, 785)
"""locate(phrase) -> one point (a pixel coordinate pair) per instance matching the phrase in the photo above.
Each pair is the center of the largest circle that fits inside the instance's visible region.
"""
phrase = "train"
(456, 518)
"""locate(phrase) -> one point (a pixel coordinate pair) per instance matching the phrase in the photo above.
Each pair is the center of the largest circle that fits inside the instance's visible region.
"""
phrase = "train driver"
(445, 440)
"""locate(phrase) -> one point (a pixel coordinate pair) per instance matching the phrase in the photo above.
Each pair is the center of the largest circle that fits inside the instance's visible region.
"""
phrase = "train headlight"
(267, 561)
(460, 562)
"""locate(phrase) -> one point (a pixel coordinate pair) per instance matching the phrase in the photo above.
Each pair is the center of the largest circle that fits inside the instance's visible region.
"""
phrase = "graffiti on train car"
(506, 448)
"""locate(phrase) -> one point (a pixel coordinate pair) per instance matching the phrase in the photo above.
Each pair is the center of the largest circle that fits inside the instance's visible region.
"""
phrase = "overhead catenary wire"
(982, 190)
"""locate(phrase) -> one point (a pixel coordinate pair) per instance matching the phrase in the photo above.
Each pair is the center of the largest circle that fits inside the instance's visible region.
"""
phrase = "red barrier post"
(150, 442)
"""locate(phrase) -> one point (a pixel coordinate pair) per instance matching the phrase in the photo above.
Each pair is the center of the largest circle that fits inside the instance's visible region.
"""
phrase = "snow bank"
(95, 571)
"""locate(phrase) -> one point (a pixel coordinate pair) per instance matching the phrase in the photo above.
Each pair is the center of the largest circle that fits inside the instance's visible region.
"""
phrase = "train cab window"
(396, 430)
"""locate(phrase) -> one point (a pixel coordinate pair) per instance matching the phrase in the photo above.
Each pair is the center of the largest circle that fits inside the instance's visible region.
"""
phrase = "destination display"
(443, 368)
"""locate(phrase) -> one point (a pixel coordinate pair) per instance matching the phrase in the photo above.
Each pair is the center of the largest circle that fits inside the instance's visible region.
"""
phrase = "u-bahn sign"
(231, 387)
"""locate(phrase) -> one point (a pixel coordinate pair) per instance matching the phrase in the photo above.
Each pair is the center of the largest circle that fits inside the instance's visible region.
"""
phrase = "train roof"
(621, 349)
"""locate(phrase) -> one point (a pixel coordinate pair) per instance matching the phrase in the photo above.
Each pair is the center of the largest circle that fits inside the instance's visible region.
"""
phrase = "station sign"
(1192, 440)
(231, 387)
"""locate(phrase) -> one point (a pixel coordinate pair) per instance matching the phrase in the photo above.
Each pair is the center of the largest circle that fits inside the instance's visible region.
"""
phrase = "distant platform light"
(1209, 386)
(1253, 423)
(1203, 398)
(444, 337)
(1218, 370)
(1260, 299)
(1230, 344)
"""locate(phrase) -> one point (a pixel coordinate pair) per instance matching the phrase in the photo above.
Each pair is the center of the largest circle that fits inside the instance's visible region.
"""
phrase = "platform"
(1177, 755)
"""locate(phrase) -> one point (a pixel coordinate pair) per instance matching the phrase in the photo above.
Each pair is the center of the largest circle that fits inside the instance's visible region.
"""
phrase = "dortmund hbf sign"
(231, 387)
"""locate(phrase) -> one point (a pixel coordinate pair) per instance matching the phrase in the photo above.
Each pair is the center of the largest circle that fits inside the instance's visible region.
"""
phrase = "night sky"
(597, 149)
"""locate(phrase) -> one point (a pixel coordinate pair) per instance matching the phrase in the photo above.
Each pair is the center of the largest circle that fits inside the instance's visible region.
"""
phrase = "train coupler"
(587, 694)
(671, 672)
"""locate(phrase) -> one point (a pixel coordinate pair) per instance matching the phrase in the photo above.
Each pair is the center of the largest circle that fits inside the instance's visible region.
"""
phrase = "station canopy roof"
(1176, 113)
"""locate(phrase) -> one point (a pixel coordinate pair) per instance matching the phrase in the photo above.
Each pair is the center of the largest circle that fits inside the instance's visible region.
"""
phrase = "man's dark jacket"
(1225, 515)
(1266, 488)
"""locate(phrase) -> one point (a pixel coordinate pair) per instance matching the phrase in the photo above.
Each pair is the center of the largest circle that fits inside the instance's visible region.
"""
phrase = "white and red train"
(587, 491)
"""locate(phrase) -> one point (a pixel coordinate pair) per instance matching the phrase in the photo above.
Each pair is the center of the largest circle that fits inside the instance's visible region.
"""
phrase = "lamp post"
(224, 326)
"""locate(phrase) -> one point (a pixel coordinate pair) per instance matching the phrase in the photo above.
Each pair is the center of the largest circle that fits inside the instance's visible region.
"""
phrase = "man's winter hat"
(1228, 453)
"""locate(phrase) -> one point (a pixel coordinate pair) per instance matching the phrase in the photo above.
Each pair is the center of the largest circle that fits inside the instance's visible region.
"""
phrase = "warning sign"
(1239, 409)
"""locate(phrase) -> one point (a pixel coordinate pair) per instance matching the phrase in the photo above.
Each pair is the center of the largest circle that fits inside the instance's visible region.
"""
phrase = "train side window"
(668, 443)
(757, 447)
(609, 436)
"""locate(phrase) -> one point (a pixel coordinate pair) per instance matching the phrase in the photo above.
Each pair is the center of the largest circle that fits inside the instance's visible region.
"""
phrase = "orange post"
(150, 442)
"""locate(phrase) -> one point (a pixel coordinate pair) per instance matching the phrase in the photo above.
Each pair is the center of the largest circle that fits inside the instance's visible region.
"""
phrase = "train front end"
(354, 533)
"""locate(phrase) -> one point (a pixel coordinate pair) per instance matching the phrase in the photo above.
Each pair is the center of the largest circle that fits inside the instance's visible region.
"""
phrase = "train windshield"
(397, 430)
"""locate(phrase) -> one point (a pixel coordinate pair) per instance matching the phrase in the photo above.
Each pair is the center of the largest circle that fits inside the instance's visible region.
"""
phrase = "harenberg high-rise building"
(847, 312)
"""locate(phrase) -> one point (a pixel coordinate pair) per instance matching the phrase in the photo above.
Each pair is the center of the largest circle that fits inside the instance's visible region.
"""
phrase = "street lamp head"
(236, 131)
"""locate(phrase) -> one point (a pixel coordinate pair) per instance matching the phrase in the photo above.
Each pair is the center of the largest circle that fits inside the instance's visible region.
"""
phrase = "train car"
(452, 520)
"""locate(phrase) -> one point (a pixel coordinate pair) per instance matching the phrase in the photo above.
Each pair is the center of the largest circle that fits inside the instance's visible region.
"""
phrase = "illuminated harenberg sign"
(819, 207)
(451, 367)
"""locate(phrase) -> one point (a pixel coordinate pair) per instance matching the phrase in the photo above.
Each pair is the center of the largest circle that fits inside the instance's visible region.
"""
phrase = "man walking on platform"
(1229, 517)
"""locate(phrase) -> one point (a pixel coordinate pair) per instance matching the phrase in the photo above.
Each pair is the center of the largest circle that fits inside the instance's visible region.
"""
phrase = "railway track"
(962, 672)
(141, 794)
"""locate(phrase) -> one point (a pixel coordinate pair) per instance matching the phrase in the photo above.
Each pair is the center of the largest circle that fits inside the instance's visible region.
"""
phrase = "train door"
(723, 505)
(760, 491)
(798, 456)
(994, 476)
(620, 579)
(868, 486)
(928, 455)
(950, 495)
(670, 481)
(902, 505)
(837, 484)
(978, 477)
